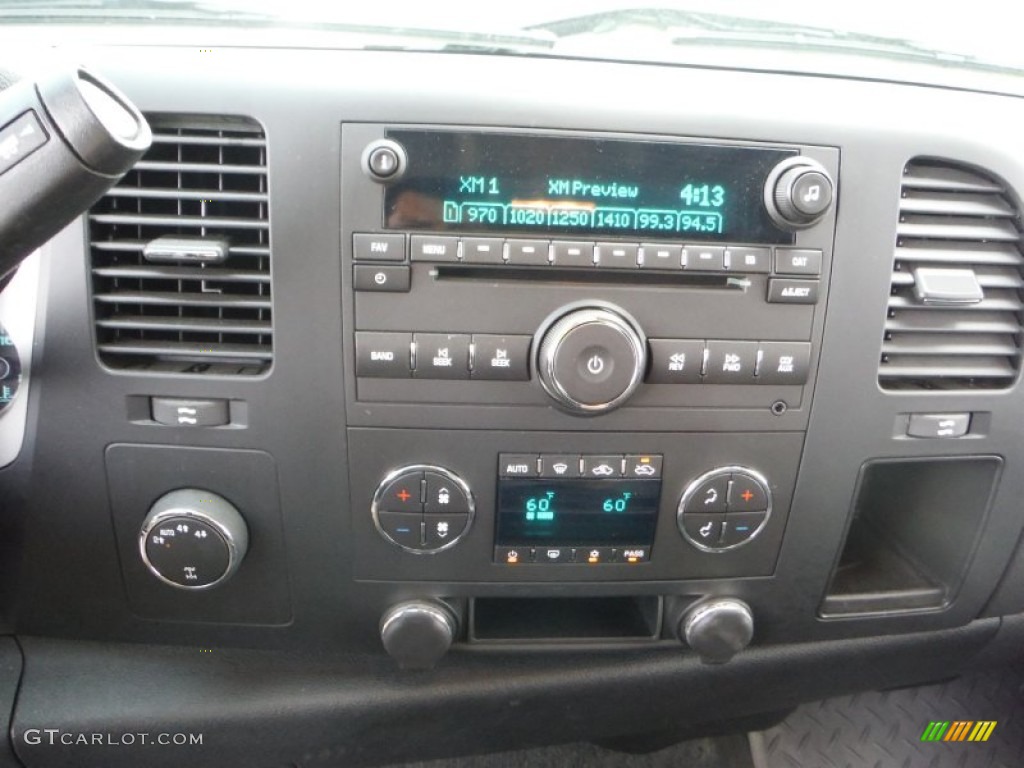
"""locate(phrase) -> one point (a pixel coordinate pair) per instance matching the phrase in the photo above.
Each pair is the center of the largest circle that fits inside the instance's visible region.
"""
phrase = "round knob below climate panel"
(724, 509)
(193, 539)
(422, 508)
(591, 360)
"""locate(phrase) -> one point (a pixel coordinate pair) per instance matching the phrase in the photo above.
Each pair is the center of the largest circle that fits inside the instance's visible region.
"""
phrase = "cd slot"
(588, 277)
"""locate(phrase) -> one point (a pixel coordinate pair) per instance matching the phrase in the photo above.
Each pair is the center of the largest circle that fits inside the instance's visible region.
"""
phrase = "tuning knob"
(798, 192)
(417, 633)
(717, 629)
(591, 360)
(193, 539)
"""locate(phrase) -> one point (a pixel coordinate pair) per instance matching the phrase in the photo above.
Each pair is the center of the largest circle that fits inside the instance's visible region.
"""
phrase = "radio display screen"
(584, 187)
(536, 512)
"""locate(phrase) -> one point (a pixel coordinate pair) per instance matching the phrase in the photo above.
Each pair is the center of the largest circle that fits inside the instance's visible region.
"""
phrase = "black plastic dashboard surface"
(327, 443)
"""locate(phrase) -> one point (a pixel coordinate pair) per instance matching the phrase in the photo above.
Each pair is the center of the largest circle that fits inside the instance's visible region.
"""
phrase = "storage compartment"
(565, 619)
(915, 526)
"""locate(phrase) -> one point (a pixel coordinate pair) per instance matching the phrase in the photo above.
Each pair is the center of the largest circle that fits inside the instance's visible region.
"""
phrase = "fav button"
(371, 247)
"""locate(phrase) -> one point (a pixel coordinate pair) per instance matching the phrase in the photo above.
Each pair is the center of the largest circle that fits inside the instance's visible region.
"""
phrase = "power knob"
(193, 539)
(590, 360)
(798, 192)
(417, 633)
(717, 629)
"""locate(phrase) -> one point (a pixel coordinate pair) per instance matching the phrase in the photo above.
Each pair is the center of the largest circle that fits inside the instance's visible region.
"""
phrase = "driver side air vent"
(954, 318)
(180, 252)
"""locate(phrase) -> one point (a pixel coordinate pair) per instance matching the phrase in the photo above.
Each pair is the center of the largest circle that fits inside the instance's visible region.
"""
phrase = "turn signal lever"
(65, 139)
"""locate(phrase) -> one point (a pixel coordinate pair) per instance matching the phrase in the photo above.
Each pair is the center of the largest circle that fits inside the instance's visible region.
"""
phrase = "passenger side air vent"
(954, 320)
(180, 252)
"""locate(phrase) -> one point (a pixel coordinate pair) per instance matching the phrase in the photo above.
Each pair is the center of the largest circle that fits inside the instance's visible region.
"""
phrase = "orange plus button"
(746, 494)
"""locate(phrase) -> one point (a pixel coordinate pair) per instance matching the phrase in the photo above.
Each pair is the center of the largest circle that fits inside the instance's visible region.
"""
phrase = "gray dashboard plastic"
(69, 582)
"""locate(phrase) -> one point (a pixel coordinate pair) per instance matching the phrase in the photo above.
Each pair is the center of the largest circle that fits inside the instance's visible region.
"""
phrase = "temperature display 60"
(577, 512)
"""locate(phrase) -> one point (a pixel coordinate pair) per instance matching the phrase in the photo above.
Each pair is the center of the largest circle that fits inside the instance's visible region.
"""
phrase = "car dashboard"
(398, 405)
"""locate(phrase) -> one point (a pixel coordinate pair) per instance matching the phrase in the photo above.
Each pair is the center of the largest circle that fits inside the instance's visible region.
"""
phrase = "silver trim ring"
(695, 485)
(446, 473)
(179, 504)
(555, 335)
(396, 148)
(771, 182)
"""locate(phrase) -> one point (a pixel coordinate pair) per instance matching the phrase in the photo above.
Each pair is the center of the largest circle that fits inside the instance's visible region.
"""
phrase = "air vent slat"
(252, 170)
(214, 141)
(958, 228)
(171, 221)
(138, 246)
(967, 254)
(950, 344)
(956, 205)
(991, 303)
(191, 352)
(949, 179)
(183, 273)
(185, 324)
(204, 181)
(942, 368)
(182, 299)
(201, 195)
(958, 232)
(951, 322)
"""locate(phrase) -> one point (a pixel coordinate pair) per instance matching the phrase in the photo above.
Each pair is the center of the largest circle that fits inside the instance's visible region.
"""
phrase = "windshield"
(695, 31)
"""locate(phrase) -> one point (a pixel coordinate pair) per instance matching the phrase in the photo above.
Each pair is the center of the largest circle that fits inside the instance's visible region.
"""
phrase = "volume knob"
(591, 360)
(798, 192)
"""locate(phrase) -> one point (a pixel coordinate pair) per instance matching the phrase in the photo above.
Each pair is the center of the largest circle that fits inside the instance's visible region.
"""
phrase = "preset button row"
(695, 361)
(588, 253)
(442, 356)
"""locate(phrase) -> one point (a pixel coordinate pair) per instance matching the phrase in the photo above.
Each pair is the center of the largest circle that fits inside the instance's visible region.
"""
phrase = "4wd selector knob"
(798, 192)
(193, 539)
(591, 360)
